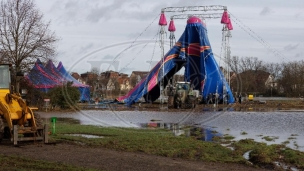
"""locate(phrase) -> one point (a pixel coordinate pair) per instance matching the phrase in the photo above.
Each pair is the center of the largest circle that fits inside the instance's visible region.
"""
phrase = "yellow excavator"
(18, 122)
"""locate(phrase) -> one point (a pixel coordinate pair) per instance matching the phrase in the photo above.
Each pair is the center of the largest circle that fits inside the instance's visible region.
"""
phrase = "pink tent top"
(171, 26)
(162, 20)
(229, 25)
(225, 18)
(194, 20)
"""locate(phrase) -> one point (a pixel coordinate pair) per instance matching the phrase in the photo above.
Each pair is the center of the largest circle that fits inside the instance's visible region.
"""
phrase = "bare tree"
(24, 37)
(292, 80)
(275, 69)
(249, 74)
(234, 64)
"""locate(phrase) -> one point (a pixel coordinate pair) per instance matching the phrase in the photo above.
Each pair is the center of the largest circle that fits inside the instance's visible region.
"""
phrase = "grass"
(286, 142)
(263, 154)
(22, 164)
(228, 137)
(162, 142)
(151, 141)
(268, 138)
(243, 133)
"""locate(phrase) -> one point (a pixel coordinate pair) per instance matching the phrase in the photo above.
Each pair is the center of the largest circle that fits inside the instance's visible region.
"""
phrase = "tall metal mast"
(227, 52)
(162, 22)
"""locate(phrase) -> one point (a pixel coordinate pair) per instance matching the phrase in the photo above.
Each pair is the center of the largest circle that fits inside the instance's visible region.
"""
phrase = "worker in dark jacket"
(240, 98)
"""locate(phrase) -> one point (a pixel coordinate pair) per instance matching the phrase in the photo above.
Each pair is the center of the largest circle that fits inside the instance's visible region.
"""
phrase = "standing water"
(269, 127)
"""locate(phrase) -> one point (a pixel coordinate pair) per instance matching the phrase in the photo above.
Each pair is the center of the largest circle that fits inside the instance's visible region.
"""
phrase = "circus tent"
(193, 51)
(47, 77)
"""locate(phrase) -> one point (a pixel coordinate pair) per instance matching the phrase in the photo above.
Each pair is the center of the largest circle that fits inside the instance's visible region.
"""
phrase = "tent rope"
(255, 36)
(118, 56)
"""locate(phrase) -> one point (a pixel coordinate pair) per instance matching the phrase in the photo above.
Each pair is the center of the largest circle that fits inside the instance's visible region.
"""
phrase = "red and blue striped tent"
(193, 51)
(48, 77)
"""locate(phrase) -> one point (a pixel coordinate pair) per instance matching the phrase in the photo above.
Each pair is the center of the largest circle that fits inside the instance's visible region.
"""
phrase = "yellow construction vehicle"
(18, 122)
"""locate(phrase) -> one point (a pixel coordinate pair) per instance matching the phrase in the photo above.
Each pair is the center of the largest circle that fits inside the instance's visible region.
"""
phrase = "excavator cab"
(5, 80)
(18, 122)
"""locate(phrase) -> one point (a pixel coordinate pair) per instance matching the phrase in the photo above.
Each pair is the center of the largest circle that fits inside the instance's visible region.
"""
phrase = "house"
(89, 77)
(137, 76)
(124, 83)
(113, 80)
(111, 84)
(271, 82)
(78, 77)
(109, 74)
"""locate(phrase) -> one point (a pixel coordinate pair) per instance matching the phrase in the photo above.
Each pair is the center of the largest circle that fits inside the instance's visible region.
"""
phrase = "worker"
(240, 98)
(210, 101)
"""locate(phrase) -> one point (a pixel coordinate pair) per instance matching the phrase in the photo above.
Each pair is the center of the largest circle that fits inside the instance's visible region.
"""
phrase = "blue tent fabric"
(84, 89)
(201, 68)
(150, 85)
(193, 51)
(48, 77)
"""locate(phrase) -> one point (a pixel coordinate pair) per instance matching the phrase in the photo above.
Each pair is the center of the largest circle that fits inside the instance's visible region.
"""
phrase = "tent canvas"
(192, 50)
(45, 78)
(40, 79)
(84, 89)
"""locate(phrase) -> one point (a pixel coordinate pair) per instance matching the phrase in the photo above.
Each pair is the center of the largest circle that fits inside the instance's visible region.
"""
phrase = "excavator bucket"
(41, 134)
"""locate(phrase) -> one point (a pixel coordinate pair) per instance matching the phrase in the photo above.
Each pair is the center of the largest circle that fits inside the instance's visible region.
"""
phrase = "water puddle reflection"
(201, 133)
(85, 135)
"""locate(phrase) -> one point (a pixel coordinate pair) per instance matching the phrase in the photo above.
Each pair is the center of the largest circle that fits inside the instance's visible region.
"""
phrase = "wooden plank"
(46, 133)
(15, 136)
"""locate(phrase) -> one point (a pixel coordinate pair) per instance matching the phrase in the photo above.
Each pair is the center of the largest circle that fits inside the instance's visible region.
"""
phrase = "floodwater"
(270, 127)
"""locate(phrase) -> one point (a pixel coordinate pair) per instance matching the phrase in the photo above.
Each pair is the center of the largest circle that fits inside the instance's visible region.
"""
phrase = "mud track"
(107, 159)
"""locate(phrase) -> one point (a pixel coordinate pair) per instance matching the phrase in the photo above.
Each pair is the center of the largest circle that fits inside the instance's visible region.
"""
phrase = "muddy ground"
(107, 159)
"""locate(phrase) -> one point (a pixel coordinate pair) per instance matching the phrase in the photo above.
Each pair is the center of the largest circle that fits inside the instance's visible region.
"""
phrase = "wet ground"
(269, 127)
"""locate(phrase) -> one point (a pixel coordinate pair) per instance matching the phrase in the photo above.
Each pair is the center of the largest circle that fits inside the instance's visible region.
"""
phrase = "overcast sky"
(96, 33)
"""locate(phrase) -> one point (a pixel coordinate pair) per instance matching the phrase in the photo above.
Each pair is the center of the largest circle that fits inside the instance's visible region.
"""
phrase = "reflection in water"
(85, 135)
(177, 129)
(201, 133)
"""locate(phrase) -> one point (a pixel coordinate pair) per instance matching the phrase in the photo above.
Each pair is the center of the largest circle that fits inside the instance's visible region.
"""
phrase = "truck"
(182, 95)
(18, 122)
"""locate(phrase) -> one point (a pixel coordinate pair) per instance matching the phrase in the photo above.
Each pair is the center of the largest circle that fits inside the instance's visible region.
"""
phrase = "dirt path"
(106, 159)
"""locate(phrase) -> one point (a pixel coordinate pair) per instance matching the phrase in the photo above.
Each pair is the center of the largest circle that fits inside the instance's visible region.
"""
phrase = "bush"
(64, 96)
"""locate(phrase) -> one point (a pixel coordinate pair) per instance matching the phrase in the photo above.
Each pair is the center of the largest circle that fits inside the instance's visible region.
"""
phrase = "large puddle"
(269, 127)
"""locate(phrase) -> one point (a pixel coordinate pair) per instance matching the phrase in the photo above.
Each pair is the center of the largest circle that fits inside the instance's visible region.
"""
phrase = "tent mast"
(162, 23)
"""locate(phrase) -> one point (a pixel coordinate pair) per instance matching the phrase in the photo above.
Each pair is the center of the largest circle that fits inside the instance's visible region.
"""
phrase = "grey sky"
(93, 30)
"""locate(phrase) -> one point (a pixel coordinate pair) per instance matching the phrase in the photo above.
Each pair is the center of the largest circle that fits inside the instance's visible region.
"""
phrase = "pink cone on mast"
(229, 25)
(171, 26)
(225, 18)
(162, 20)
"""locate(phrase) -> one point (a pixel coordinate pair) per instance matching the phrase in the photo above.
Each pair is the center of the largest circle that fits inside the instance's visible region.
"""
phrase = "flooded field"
(269, 127)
